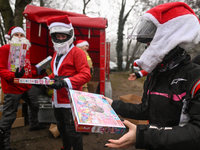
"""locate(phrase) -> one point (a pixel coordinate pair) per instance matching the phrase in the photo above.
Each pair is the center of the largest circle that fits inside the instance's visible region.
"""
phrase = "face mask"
(61, 49)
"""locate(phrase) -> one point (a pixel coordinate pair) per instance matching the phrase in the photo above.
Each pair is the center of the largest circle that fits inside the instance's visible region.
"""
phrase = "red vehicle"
(91, 29)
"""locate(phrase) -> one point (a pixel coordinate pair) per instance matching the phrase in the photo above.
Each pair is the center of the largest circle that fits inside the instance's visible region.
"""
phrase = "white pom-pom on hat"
(7, 36)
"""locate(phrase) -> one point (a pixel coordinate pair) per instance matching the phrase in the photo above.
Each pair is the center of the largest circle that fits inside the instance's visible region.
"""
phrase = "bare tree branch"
(85, 5)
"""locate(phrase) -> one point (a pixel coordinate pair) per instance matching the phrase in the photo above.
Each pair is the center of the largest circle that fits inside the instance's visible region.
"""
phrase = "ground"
(22, 139)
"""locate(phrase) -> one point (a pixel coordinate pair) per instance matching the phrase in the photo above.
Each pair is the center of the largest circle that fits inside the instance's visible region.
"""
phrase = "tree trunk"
(41, 3)
(127, 55)
(119, 45)
(7, 14)
(2, 38)
(19, 8)
(119, 48)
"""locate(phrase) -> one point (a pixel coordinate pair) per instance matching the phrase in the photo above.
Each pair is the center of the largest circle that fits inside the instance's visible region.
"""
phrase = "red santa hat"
(81, 43)
(177, 25)
(62, 21)
(13, 30)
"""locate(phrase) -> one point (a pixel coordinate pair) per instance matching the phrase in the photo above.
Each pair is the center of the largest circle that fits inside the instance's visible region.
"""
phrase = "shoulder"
(5, 49)
(192, 73)
(191, 69)
(77, 51)
(196, 59)
(54, 55)
(6, 46)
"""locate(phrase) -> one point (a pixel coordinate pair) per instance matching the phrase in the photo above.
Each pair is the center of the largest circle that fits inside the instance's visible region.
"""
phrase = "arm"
(4, 72)
(89, 60)
(83, 76)
(175, 137)
(129, 110)
(137, 75)
(165, 138)
(52, 67)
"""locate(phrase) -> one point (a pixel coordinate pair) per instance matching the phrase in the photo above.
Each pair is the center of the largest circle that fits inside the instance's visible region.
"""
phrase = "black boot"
(35, 128)
(1, 138)
(64, 148)
(9, 149)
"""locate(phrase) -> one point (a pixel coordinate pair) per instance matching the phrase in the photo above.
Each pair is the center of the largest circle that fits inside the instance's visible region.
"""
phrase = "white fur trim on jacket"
(55, 71)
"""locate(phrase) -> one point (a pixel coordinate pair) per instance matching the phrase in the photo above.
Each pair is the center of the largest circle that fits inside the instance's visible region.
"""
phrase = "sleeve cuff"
(137, 75)
(140, 139)
(67, 80)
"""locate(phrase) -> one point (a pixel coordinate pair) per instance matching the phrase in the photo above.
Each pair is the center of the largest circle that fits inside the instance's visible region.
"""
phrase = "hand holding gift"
(58, 84)
(19, 74)
(108, 100)
(127, 140)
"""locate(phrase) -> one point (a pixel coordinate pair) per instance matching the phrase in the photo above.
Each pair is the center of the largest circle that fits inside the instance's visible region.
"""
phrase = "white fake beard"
(64, 49)
(22, 40)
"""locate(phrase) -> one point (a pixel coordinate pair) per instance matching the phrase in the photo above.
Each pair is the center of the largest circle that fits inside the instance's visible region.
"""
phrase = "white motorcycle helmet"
(69, 31)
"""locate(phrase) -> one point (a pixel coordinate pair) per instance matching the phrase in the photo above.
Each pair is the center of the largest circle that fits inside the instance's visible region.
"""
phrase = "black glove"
(19, 74)
(58, 84)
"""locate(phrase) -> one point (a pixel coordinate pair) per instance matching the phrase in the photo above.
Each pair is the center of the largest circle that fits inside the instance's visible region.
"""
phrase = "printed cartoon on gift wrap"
(94, 114)
(17, 56)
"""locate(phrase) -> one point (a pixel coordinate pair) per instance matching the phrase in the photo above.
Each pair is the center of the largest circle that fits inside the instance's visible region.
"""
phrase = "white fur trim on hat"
(183, 31)
(82, 44)
(17, 30)
(55, 24)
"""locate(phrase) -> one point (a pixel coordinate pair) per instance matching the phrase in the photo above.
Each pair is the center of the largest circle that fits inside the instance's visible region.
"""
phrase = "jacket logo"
(175, 81)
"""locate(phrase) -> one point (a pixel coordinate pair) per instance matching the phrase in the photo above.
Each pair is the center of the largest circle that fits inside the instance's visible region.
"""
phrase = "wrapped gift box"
(33, 81)
(17, 56)
(44, 64)
(91, 113)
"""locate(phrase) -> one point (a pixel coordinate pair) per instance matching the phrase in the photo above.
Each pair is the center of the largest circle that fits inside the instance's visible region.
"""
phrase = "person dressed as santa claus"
(70, 71)
(172, 88)
(13, 92)
(84, 45)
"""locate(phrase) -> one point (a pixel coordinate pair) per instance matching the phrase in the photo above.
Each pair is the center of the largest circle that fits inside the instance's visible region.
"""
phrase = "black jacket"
(196, 59)
(172, 108)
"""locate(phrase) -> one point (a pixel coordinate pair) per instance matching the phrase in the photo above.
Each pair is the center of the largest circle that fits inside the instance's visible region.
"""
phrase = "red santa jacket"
(74, 68)
(7, 77)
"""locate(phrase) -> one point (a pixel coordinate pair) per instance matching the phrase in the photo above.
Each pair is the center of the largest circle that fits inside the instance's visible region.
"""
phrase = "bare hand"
(108, 100)
(127, 140)
(132, 77)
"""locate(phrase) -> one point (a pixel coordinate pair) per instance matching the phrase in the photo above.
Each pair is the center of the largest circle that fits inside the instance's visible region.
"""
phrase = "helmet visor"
(56, 40)
(144, 29)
